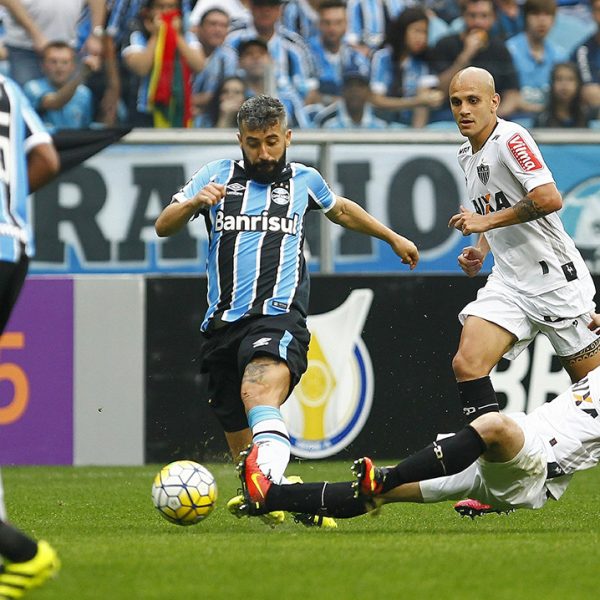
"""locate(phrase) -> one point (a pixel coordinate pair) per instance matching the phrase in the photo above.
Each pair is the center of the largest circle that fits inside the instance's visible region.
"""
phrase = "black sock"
(446, 457)
(15, 545)
(478, 397)
(327, 499)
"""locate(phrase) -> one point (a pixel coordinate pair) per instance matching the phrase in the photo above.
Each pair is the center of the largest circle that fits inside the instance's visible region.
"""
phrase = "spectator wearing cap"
(292, 61)
(353, 110)
(333, 57)
(534, 57)
(60, 97)
(222, 61)
(402, 80)
(256, 68)
(237, 10)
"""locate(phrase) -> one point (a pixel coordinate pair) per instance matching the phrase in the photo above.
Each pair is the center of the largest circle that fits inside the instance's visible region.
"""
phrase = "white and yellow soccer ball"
(184, 492)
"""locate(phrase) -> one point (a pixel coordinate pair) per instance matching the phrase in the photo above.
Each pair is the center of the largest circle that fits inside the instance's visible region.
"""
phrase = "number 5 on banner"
(15, 375)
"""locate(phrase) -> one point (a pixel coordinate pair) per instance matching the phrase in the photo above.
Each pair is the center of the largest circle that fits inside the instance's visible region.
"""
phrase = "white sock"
(270, 434)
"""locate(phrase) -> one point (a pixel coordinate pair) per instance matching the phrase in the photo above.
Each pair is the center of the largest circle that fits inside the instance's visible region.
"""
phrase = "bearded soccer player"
(28, 160)
(255, 327)
(505, 461)
(539, 282)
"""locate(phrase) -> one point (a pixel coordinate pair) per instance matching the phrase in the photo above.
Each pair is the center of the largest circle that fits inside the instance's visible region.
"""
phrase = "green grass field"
(114, 545)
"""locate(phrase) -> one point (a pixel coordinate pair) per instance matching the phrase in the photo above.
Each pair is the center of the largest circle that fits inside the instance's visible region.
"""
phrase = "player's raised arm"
(350, 215)
(178, 213)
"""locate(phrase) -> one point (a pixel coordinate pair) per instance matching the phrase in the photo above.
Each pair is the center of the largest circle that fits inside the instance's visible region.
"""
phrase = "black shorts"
(12, 276)
(227, 351)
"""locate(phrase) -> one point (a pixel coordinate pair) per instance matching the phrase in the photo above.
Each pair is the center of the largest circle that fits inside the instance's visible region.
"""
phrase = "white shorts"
(519, 483)
(562, 315)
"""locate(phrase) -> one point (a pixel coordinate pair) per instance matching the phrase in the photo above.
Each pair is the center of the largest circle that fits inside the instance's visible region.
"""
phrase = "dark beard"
(258, 172)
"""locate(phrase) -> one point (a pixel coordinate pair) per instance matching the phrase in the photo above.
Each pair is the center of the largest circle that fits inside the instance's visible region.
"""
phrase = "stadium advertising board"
(36, 376)
(379, 381)
(99, 217)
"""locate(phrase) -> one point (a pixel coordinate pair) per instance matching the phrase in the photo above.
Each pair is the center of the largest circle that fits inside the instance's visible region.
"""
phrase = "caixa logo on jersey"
(330, 405)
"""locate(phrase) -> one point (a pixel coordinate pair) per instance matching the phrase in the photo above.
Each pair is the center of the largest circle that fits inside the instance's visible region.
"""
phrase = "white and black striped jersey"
(570, 428)
(255, 261)
(534, 257)
(20, 130)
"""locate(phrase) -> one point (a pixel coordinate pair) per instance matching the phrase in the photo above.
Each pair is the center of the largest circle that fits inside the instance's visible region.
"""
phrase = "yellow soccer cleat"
(17, 578)
(311, 520)
(239, 508)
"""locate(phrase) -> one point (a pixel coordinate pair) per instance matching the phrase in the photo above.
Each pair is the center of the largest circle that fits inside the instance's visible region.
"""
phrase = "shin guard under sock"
(446, 457)
(328, 499)
(477, 397)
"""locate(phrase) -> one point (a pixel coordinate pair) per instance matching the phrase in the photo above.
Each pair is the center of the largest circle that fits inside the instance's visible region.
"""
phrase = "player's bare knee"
(493, 427)
(465, 367)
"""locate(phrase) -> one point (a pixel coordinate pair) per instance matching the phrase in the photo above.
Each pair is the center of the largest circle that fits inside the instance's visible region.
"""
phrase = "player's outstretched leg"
(255, 485)
(307, 519)
(18, 577)
(261, 495)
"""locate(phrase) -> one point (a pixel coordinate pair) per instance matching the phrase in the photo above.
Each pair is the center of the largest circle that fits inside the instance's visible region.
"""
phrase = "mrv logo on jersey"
(262, 222)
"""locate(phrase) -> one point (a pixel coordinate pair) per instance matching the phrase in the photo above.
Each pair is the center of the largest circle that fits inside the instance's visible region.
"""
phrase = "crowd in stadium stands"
(373, 64)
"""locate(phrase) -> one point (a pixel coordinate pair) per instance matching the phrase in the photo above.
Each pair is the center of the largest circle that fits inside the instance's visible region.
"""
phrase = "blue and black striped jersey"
(255, 261)
(20, 130)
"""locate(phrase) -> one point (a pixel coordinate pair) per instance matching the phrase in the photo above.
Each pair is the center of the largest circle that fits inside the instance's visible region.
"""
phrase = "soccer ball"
(184, 492)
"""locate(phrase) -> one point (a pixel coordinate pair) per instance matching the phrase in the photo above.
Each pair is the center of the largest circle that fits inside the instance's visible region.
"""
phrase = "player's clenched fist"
(406, 250)
(209, 195)
(470, 260)
(468, 222)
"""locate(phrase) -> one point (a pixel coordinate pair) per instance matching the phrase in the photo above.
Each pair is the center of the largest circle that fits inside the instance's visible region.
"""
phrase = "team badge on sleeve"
(523, 154)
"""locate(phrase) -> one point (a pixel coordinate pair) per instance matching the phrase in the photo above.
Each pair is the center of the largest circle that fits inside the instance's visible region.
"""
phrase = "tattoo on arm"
(528, 210)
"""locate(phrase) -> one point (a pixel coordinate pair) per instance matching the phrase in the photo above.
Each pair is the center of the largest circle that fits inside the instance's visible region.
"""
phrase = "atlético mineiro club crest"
(483, 172)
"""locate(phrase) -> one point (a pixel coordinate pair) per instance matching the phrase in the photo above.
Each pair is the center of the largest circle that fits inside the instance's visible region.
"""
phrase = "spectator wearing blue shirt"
(256, 69)
(353, 110)
(139, 54)
(291, 58)
(402, 81)
(221, 60)
(368, 21)
(587, 57)
(534, 56)
(302, 16)
(333, 57)
(61, 98)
